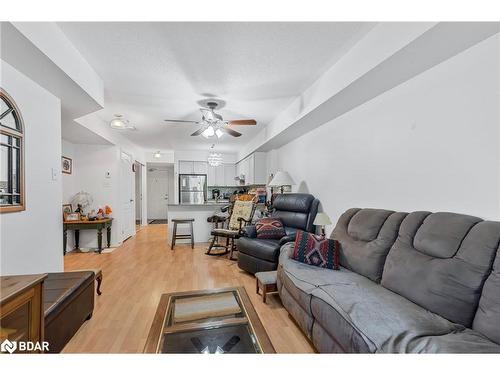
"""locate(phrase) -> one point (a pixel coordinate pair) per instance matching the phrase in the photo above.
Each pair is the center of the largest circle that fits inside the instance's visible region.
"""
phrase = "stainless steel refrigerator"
(192, 188)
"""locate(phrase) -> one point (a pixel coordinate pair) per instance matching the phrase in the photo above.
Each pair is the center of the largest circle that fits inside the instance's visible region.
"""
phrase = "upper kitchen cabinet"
(229, 175)
(193, 167)
(200, 167)
(222, 175)
(253, 168)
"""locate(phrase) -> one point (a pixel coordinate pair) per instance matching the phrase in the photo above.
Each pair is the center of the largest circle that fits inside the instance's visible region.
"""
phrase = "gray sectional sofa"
(409, 283)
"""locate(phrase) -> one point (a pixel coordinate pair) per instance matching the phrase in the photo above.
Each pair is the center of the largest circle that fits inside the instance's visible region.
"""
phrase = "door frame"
(124, 236)
(139, 171)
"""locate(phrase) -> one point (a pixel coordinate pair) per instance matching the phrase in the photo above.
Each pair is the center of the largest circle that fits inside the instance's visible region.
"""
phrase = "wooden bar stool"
(176, 236)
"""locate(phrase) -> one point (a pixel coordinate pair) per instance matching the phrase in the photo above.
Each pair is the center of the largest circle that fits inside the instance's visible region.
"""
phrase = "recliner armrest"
(286, 239)
(250, 231)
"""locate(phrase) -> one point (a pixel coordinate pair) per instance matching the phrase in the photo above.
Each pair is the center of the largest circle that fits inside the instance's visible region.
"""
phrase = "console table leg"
(65, 240)
(99, 239)
(108, 236)
(77, 239)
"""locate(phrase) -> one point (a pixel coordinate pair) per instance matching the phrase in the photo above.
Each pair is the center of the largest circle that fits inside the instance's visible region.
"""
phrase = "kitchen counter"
(206, 204)
(200, 213)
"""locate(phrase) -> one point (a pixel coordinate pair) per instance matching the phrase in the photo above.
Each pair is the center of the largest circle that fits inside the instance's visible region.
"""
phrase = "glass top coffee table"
(214, 321)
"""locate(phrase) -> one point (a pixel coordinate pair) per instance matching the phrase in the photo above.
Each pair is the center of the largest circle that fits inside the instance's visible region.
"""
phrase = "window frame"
(19, 134)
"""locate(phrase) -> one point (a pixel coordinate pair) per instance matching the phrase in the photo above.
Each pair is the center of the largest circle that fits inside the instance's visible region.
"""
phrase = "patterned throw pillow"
(270, 228)
(316, 250)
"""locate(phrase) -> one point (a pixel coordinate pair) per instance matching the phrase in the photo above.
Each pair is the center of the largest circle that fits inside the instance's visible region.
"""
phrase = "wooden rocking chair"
(241, 213)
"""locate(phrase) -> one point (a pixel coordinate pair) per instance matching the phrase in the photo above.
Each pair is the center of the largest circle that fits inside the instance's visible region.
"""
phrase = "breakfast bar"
(200, 213)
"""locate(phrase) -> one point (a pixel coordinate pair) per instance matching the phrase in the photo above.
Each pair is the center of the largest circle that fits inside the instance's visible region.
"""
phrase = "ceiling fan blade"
(198, 132)
(230, 131)
(243, 122)
(186, 121)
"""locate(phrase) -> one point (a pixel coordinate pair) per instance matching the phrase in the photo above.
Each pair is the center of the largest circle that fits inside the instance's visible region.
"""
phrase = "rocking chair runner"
(241, 214)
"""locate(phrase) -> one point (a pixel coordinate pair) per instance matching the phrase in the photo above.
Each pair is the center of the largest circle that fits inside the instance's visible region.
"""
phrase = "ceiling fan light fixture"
(157, 154)
(219, 133)
(208, 132)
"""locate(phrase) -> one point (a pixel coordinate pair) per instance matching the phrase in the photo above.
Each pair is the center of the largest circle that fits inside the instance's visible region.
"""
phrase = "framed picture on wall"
(67, 165)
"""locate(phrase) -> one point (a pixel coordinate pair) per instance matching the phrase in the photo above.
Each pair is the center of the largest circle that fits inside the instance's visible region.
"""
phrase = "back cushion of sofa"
(487, 319)
(365, 237)
(440, 261)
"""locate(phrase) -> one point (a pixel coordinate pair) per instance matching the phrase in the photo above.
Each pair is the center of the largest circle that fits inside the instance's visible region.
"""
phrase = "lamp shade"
(322, 219)
(281, 178)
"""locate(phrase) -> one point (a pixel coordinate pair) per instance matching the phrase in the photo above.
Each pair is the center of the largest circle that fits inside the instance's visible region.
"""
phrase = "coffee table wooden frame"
(157, 327)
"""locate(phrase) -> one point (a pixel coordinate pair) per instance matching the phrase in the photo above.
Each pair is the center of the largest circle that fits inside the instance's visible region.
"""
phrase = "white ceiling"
(152, 71)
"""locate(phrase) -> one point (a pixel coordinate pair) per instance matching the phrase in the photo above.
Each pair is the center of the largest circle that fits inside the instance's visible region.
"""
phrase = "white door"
(127, 194)
(157, 194)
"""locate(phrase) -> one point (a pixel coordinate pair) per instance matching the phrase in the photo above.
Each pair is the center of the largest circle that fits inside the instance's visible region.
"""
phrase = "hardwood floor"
(143, 268)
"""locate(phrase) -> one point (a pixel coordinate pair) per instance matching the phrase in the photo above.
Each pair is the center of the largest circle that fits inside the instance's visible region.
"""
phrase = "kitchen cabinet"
(200, 167)
(222, 175)
(193, 167)
(229, 175)
(185, 167)
(253, 168)
(211, 176)
(219, 175)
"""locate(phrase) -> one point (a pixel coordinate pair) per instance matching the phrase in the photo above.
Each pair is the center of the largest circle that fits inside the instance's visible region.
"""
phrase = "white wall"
(31, 240)
(431, 143)
(90, 164)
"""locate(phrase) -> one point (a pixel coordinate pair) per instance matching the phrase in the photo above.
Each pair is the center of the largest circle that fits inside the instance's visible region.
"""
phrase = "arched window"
(12, 155)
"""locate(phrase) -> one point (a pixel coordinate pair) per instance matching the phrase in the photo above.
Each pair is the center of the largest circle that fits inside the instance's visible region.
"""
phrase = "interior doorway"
(160, 181)
(138, 195)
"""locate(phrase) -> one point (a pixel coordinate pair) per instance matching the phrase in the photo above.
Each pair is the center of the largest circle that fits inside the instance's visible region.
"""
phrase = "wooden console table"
(76, 226)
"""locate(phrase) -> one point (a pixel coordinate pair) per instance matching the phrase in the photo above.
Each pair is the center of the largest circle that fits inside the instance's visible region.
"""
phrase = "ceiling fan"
(212, 124)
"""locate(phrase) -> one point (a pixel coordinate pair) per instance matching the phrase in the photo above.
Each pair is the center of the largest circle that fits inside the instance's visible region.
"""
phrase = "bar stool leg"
(174, 234)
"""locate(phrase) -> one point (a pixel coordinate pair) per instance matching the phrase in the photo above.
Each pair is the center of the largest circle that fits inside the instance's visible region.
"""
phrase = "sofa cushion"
(259, 248)
(365, 237)
(442, 233)
(356, 310)
(465, 341)
(487, 319)
(440, 261)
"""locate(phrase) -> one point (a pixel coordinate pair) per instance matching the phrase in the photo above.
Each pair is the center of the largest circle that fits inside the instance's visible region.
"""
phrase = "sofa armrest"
(250, 231)
(287, 239)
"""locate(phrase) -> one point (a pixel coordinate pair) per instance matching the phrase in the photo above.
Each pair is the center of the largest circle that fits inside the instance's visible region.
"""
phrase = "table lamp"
(281, 179)
(321, 220)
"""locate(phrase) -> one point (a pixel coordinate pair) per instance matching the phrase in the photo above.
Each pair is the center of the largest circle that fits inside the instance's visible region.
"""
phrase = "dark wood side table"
(76, 226)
